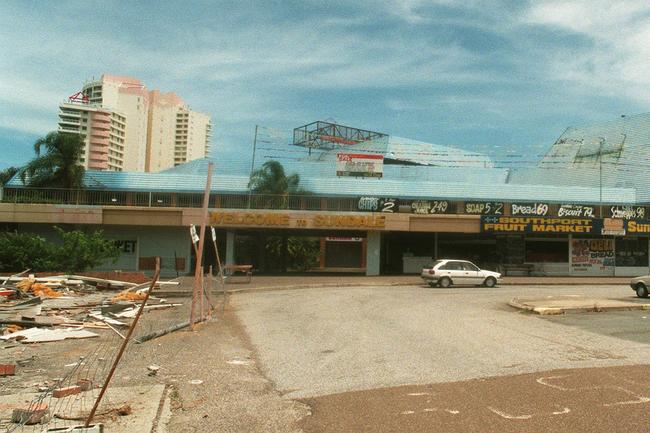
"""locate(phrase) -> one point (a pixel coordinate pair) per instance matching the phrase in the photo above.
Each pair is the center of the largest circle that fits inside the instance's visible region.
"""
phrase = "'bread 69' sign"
(529, 209)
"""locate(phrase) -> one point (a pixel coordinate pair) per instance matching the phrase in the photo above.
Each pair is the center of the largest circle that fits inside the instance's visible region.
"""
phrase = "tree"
(58, 166)
(76, 251)
(271, 180)
(7, 174)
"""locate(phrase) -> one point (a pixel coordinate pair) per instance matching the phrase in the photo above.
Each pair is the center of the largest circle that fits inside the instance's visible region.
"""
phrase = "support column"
(321, 256)
(435, 246)
(230, 247)
(570, 255)
(373, 253)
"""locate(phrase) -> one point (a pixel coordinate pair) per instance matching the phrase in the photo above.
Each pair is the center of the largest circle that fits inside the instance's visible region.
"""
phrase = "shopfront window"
(632, 252)
(547, 251)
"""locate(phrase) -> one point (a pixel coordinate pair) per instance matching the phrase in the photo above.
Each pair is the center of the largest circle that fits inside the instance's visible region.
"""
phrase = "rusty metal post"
(199, 253)
(124, 343)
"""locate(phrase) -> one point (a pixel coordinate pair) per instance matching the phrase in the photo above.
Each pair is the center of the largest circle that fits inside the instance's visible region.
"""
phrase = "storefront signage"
(424, 207)
(592, 256)
(359, 165)
(343, 239)
(429, 206)
(377, 204)
(595, 226)
(355, 221)
(627, 212)
(613, 227)
(484, 208)
(126, 247)
(576, 211)
(529, 209)
(496, 224)
(249, 219)
(636, 227)
(308, 220)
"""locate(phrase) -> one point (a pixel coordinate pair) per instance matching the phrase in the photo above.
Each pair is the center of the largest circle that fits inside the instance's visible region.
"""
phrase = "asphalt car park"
(415, 359)
(320, 341)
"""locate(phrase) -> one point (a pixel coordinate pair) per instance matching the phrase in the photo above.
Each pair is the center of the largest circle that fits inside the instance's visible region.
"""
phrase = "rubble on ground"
(38, 309)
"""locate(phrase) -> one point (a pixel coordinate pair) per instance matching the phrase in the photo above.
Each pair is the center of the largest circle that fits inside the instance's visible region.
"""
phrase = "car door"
(472, 273)
(456, 272)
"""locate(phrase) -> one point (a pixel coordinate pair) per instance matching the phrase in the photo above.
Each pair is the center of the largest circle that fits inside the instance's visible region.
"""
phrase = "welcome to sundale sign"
(254, 219)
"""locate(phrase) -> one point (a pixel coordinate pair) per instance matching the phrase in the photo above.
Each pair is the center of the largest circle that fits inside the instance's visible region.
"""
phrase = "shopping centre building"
(379, 204)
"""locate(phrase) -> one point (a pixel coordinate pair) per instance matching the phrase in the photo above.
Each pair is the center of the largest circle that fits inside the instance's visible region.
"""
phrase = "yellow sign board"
(316, 220)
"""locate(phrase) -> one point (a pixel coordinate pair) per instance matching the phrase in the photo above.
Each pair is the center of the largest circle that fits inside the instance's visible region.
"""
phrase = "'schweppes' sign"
(359, 165)
(377, 204)
(576, 211)
(429, 206)
(529, 209)
(627, 212)
(501, 224)
(483, 208)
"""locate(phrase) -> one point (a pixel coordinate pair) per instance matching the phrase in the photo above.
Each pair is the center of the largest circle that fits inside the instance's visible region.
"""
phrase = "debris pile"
(54, 308)
(35, 310)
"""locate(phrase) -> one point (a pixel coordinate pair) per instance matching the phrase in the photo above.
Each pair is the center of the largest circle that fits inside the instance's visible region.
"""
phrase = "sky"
(490, 76)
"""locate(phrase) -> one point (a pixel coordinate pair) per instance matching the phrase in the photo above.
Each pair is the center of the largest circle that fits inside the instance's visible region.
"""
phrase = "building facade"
(149, 130)
(369, 212)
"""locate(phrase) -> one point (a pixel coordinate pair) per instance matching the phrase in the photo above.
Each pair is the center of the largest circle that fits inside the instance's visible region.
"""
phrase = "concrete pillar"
(373, 253)
(570, 255)
(435, 246)
(230, 247)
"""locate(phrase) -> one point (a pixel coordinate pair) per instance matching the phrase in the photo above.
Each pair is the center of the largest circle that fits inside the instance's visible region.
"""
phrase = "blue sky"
(491, 76)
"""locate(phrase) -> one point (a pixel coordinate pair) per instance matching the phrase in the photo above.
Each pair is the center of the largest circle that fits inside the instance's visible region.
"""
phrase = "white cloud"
(616, 59)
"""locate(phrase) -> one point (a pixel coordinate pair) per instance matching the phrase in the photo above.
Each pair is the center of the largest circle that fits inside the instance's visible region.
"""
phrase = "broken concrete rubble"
(42, 335)
(67, 301)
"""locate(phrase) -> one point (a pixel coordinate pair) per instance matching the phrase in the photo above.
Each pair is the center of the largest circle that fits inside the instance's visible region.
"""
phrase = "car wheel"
(445, 282)
(490, 282)
(641, 291)
(432, 283)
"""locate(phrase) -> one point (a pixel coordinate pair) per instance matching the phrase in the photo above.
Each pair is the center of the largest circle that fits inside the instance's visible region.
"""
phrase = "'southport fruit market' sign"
(506, 224)
(359, 165)
(595, 226)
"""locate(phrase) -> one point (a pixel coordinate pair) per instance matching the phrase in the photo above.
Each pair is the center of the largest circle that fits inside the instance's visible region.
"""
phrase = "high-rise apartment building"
(128, 128)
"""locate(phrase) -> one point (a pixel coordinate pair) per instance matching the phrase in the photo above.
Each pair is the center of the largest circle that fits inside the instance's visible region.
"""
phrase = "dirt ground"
(212, 379)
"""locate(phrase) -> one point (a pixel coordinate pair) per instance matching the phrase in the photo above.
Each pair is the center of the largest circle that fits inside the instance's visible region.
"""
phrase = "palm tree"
(59, 166)
(271, 179)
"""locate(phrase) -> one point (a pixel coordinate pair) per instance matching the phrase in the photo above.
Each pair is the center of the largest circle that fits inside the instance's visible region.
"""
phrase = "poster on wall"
(359, 165)
(627, 212)
(377, 204)
(483, 208)
(592, 256)
(529, 209)
(429, 207)
(576, 211)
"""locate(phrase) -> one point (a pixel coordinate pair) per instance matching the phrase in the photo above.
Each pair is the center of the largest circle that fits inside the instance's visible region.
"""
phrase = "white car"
(446, 272)
(640, 285)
